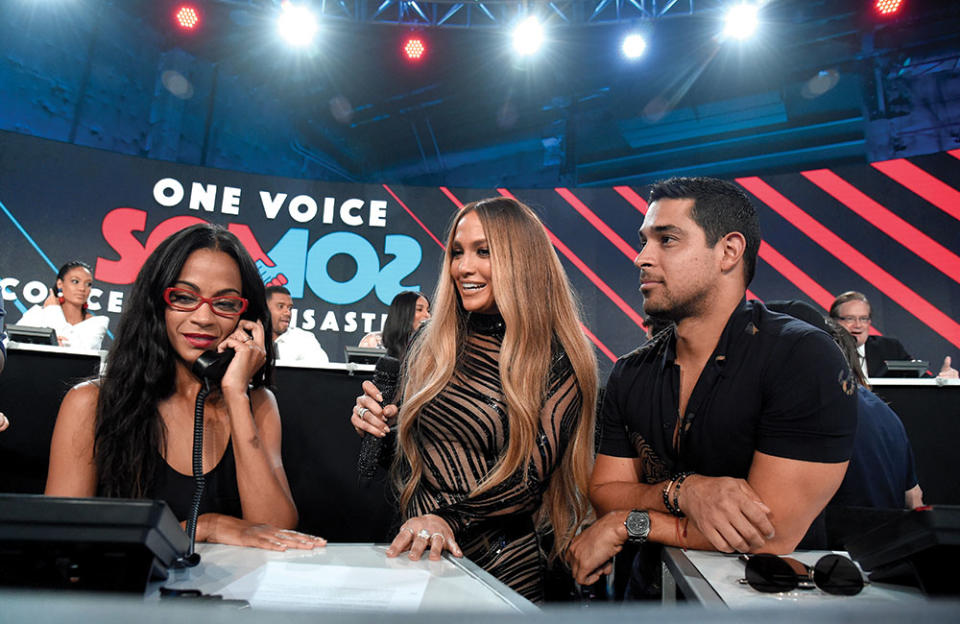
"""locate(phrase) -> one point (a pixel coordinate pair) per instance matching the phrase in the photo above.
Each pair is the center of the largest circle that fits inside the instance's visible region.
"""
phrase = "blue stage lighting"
(741, 21)
(634, 45)
(528, 36)
(297, 24)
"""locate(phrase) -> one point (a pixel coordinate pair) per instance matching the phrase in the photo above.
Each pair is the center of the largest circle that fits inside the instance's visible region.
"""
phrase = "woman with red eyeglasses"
(129, 434)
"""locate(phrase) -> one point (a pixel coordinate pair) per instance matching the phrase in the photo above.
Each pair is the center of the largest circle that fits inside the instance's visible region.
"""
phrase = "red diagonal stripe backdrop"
(941, 195)
(890, 224)
(863, 266)
(598, 223)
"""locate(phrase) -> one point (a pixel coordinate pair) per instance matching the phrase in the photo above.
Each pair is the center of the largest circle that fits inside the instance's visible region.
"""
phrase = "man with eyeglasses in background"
(852, 311)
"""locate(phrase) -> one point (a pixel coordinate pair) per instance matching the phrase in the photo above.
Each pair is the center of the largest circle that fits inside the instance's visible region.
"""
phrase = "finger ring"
(408, 529)
(438, 534)
(423, 534)
(362, 413)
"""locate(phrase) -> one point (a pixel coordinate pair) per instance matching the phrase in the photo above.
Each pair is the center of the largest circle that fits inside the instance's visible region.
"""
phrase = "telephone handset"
(211, 365)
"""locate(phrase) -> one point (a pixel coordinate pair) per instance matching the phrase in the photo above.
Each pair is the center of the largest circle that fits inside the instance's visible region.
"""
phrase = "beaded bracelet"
(676, 492)
(666, 496)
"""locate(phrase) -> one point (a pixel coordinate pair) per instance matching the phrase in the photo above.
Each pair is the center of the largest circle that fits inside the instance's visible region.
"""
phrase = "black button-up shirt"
(773, 384)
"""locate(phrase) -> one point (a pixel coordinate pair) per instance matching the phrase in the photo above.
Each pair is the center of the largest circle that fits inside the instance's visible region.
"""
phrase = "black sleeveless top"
(220, 493)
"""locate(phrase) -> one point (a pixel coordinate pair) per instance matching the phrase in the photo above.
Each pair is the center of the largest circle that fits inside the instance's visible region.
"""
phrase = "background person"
(292, 343)
(881, 473)
(852, 311)
(407, 312)
(493, 458)
(65, 309)
(799, 309)
(129, 434)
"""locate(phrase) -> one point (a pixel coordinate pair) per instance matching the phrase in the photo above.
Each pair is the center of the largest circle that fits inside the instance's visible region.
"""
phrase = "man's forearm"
(673, 531)
(624, 495)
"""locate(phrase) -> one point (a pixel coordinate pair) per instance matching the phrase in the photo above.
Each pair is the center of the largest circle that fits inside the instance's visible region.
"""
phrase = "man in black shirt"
(732, 430)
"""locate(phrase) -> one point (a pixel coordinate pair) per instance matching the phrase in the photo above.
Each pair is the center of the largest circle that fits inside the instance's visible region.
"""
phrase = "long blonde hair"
(534, 297)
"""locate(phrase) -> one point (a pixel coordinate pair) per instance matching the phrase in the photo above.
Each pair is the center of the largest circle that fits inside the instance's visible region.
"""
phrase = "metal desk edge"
(691, 583)
(503, 592)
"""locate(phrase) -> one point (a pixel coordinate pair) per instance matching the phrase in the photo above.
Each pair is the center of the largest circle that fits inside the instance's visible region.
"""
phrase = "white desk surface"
(713, 579)
(13, 346)
(940, 382)
(241, 573)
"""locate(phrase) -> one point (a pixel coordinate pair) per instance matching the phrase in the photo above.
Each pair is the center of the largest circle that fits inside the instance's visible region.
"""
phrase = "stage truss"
(495, 13)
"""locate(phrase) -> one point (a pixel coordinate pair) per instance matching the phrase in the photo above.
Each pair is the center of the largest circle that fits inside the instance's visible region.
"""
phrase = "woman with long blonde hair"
(495, 432)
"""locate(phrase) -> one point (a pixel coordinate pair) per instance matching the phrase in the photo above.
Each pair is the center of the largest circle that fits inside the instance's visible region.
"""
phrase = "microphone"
(386, 376)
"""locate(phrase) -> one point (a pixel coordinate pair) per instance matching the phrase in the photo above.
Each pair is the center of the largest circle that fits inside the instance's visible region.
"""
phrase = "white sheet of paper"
(283, 585)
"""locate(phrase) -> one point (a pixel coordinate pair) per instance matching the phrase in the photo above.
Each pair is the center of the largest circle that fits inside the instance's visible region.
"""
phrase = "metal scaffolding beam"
(492, 13)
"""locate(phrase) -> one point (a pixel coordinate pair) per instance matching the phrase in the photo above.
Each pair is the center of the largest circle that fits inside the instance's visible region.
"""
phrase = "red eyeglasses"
(184, 300)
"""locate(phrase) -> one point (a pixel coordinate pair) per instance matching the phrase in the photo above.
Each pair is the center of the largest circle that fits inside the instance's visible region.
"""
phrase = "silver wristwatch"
(638, 526)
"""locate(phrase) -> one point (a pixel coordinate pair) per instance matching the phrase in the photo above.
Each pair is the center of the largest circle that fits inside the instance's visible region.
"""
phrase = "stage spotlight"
(187, 17)
(888, 7)
(634, 45)
(528, 36)
(296, 24)
(741, 21)
(414, 48)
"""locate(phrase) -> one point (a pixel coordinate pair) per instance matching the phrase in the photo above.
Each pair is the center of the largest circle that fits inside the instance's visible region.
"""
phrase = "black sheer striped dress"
(462, 433)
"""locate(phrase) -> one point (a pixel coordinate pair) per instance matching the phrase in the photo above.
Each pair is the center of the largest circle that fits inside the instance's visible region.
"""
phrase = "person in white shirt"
(66, 310)
(292, 343)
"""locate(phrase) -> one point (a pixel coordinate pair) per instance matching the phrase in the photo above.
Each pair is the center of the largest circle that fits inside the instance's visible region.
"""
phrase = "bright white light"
(296, 24)
(634, 46)
(528, 36)
(741, 21)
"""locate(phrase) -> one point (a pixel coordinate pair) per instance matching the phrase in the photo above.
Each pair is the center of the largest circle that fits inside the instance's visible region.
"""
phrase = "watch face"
(638, 525)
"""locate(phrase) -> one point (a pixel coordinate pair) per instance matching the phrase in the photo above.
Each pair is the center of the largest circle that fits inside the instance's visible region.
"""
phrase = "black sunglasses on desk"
(833, 574)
